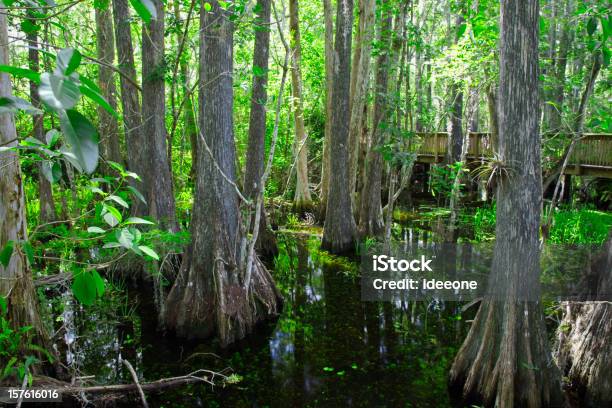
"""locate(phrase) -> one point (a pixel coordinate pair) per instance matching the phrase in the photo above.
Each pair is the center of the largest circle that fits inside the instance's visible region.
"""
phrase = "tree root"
(503, 361)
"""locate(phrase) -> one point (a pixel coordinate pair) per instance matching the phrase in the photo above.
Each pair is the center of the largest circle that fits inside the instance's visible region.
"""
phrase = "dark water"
(328, 348)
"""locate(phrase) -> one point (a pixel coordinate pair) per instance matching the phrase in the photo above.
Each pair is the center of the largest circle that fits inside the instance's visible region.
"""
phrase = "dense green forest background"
(205, 174)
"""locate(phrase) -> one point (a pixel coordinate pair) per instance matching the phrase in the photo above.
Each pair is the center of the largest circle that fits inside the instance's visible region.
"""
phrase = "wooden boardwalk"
(592, 155)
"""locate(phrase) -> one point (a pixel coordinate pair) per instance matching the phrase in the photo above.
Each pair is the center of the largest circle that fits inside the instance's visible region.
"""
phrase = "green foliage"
(443, 179)
(570, 226)
(17, 351)
(145, 9)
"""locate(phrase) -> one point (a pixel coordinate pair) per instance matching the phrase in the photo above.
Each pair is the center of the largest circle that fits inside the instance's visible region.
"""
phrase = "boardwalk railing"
(592, 155)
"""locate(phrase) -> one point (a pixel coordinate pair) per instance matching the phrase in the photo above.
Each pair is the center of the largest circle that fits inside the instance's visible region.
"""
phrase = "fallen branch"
(196, 377)
(135, 378)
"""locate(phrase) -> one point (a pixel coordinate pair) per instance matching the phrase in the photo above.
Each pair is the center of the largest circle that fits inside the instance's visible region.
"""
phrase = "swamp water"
(327, 348)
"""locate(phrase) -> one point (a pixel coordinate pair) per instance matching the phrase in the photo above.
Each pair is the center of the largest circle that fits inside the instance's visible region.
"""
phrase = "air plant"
(494, 170)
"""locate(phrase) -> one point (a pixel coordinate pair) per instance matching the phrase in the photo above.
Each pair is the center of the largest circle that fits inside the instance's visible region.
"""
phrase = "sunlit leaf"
(58, 91)
(136, 220)
(6, 253)
(82, 138)
(149, 252)
(52, 171)
(68, 60)
(118, 200)
(145, 9)
(21, 73)
(99, 99)
(96, 230)
(12, 104)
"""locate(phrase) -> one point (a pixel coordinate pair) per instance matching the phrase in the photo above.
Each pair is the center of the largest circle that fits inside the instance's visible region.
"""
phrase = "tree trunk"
(554, 111)
(493, 117)
(584, 350)
(359, 85)
(302, 199)
(45, 189)
(132, 118)
(190, 130)
(329, 82)
(455, 136)
(158, 175)
(371, 220)
(255, 161)
(108, 128)
(209, 295)
(339, 233)
(474, 110)
(505, 360)
(15, 279)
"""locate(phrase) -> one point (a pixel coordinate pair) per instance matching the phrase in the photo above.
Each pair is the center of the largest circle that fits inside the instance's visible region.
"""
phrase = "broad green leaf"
(99, 282)
(96, 230)
(12, 104)
(68, 60)
(21, 73)
(149, 252)
(29, 251)
(82, 138)
(6, 253)
(125, 238)
(145, 9)
(137, 193)
(136, 233)
(99, 99)
(111, 215)
(90, 84)
(118, 200)
(52, 171)
(71, 158)
(58, 91)
(136, 220)
(27, 26)
(110, 219)
(207, 6)
(52, 137)
(84, 287)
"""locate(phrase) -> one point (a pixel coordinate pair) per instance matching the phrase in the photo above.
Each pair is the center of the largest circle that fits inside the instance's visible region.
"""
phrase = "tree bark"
(16, 278)
(554, 111)
(190, 130)
(108, 128)
(455, 136)
(329, 83)
(583, 350)
(130, 104)
(505, 360)
(339, 232)
(493, 116)
(302, 199)
(255, 161)
(209, 295)
(158, 175)
(359, 85)
(45, 189)
(371, 220)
